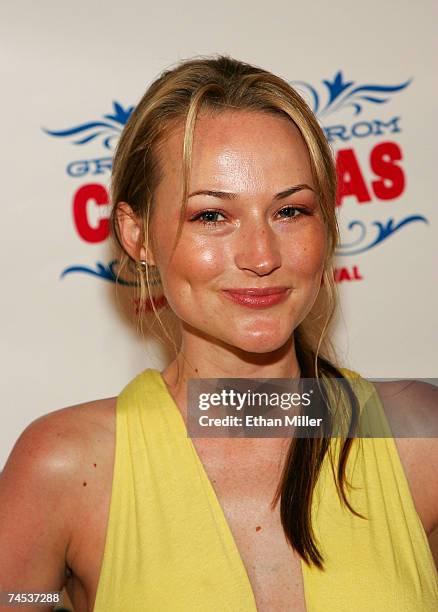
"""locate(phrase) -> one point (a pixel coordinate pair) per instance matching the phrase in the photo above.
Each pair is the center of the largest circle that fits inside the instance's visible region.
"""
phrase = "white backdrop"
(370, 70)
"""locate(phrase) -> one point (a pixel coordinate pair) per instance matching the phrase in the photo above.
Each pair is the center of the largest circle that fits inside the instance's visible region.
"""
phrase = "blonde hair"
(216, 85)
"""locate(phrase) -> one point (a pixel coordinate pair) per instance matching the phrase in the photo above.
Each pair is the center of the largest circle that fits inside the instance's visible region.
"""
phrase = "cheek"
(194, 262)
(194, 267)
(307, 252)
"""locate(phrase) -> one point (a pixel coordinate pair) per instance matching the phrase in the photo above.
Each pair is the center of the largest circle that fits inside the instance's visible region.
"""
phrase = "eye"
(291, 212)
(207, 217)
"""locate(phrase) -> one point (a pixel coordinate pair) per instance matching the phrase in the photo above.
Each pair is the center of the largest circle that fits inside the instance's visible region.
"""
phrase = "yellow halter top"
(169, 547)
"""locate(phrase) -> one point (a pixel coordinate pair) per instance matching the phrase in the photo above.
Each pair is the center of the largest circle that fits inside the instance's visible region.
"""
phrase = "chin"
(260, 343)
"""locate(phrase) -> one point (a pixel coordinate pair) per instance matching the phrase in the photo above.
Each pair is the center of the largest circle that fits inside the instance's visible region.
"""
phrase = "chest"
(245, 493)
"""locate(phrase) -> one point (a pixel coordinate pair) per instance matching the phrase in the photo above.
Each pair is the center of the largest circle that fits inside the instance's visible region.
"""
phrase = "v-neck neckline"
(179, 419)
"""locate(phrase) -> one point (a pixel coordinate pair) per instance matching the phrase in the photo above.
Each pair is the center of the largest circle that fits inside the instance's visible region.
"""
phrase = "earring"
(152, 271)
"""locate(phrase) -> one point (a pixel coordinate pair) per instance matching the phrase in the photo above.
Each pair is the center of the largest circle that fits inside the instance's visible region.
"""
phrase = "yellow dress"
(169, 547)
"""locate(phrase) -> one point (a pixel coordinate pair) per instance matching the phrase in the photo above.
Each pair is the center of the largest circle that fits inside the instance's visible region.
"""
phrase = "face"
(253, 221)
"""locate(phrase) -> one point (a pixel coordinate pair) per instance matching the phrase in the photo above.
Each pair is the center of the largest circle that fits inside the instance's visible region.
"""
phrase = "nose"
(257, 249)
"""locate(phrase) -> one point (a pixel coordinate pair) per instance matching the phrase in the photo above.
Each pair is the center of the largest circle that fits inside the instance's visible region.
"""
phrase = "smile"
(257, 298)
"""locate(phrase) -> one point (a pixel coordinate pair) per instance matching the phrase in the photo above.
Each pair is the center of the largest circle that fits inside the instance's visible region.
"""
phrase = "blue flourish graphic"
(343, 94)
(383, 231)
(106, 272)
(107, 130)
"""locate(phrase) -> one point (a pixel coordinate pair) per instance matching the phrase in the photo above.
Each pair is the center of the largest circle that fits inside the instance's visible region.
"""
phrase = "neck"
(201, 358)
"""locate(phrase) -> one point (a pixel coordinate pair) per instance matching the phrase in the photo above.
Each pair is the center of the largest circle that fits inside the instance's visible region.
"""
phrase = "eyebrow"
(227, 195)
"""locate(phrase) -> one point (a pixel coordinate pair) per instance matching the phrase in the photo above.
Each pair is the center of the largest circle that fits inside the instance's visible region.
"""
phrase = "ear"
(130, 229)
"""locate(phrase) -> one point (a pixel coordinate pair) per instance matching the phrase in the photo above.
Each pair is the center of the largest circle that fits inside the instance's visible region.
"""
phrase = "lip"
(257, 297)
(257, 290)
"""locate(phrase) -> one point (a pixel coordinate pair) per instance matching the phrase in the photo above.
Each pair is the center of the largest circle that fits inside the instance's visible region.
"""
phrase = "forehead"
(240, 151)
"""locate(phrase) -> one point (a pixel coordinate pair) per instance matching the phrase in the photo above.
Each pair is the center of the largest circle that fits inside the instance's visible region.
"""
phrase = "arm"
(35, 510)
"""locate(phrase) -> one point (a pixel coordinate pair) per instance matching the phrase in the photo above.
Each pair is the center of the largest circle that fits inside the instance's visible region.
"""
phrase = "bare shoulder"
(59, 438)
(43, 490)
(57, 449)
(411, 407)
(412, 410)
(409, 389)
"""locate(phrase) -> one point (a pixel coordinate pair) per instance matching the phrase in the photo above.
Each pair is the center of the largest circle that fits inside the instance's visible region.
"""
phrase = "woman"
(224, 193)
